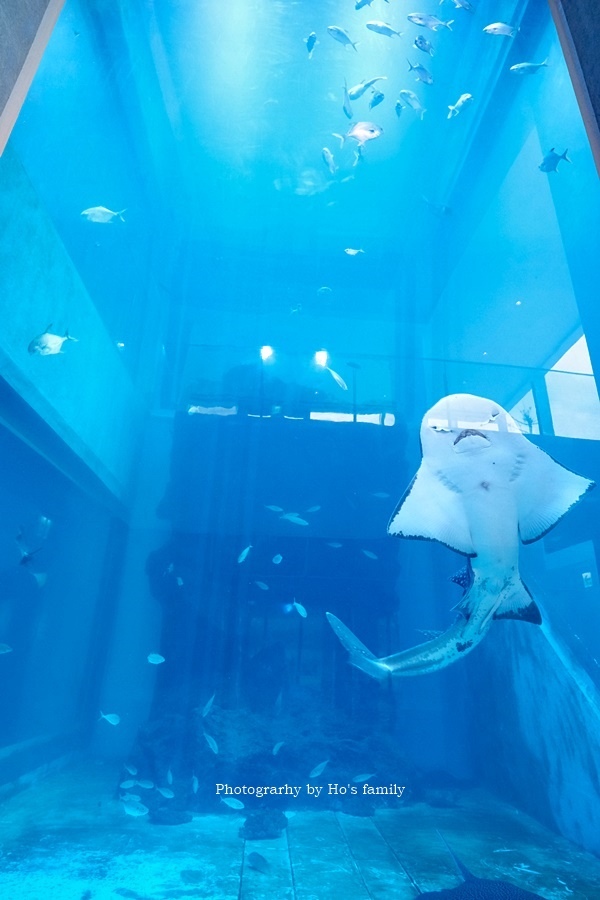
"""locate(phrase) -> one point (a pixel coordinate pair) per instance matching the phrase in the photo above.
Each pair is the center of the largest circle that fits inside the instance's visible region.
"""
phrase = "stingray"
(481, 489)
(473, 888)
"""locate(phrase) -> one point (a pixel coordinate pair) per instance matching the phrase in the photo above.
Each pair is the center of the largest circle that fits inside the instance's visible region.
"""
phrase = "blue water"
(139, 465)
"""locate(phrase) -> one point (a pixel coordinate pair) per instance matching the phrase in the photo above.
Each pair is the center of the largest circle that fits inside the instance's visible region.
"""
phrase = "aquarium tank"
(299, 430)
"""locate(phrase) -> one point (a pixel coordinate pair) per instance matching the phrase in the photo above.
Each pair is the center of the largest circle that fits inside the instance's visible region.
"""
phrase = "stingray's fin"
(432, 511)
(465, 873)
(360, 656)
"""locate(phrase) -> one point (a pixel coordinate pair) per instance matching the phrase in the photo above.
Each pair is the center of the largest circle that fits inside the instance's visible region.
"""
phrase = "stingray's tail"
(360, 656)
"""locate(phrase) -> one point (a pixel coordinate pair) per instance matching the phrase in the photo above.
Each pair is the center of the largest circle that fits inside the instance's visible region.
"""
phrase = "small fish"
(194, 784)
(421, 43)
(501, 28)
(166, 792)
(358, 779)
(258, 862)
(462, 101)
(381, 495)
(134, 807)
(383, 28)
(347, 108)
(528, 68)
(121, 346)
(244, 553)
(128, 796)
(48, 344)
(232, 803)
(277, 747)
(169, 777)
(504, 850)
(322, 292)
(179, 581)
(131, 769)
(4, 648)
(431, 22)
(411, 99)
(293, 517)
(337, 378)
(318, 770)
(299, 609)
(376, 99)
(262, 585)
(311, 42)
(277, 559)
(111, 718)
(362, 3)
(156, 659)
(102, 215)
(329, 160)
(335, 544)
(208, 706)
(129, 783)
(146, 784)
(461, 4)
(398, 107)
(274, 508)
(423, 74)
(338, 34)
(361, 132)
(359, 89)
(312, 509)
(551, 160)
(369, 554)
(350, 251)
(211, 743)
(439, 209)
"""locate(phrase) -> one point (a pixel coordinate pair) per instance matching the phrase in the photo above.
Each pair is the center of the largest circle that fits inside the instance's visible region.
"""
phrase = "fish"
(134, 807)
(359, 89)
(411, 99)
(318, 770)
(262, 585)
(383, 28)
(338, 34)
(4, 648)
(179, 581)
(423, 74)
(313, 509)
(156, 659)
(361, 132)
(208, 705)
(362, 3)
(329, 160)
(551, 160)
(102, 216)
(528, 68)
(358, 779)
(293, 517)
(211, 743)
(431, 22)
(381, 495)
(347, 108)
(439, 209)
(169, 777)
(501, 28)
(194, 784)
(131, 769)
(166, 792)
(129, 783)
(323, 292)
(376, 99)
(146, 784)
(231, 802)
(111, 718)
(274, 508)
(481, 488)
(335, 544)
(299, 609)
(350, 251)
(257, 861)
(398, 107)
(421, 43)
(472, 887)
(244, 554)
(336, 377)
(277, 559)
(49, 344)
(277, 747)
(369, 554)
(458, 106)
(461, 4)
(311, 42)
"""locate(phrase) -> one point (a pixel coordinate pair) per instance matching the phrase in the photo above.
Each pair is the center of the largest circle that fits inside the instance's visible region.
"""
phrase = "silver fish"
(528, 68)
(155, 658)
(347, 108)
(274, 508)
(102, 215)
(421, 43)
(359, 89)
(48, 344)
(350, 251)
(166, 792)
(243, 555)
(461, 4)
(211, 743)
(359, 779)
(294, 518)
(277, 559)
(146, 784)
(277, 747)
(169, 777)
(462, 101)
(376, 99)
(318, 770)
(311, 42)
(423, 74)
(129, 783)
(335, 544)
(369, 554)
(194, 784)
(208, 705)
(383, 28)
(360, 4)
(111, 718)
(329, 160)
(262, 585)
(431, 22)
(481, 488)
(551, 160)
(299, 609)
(398, 107)
(338, 34)
(4, 648)
(131, 769)
(501, 28)
(231, 802)
(134, 807)
(411, 99)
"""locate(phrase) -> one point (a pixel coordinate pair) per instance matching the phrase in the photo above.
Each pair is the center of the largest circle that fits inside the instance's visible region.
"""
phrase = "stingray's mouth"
(470, 432)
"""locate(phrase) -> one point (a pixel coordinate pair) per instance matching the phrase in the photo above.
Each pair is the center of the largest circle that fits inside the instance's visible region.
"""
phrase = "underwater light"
(266, 352)
(321, 357)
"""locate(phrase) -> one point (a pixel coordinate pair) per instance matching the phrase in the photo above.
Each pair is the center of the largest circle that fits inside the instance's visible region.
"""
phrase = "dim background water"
(206, 122)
